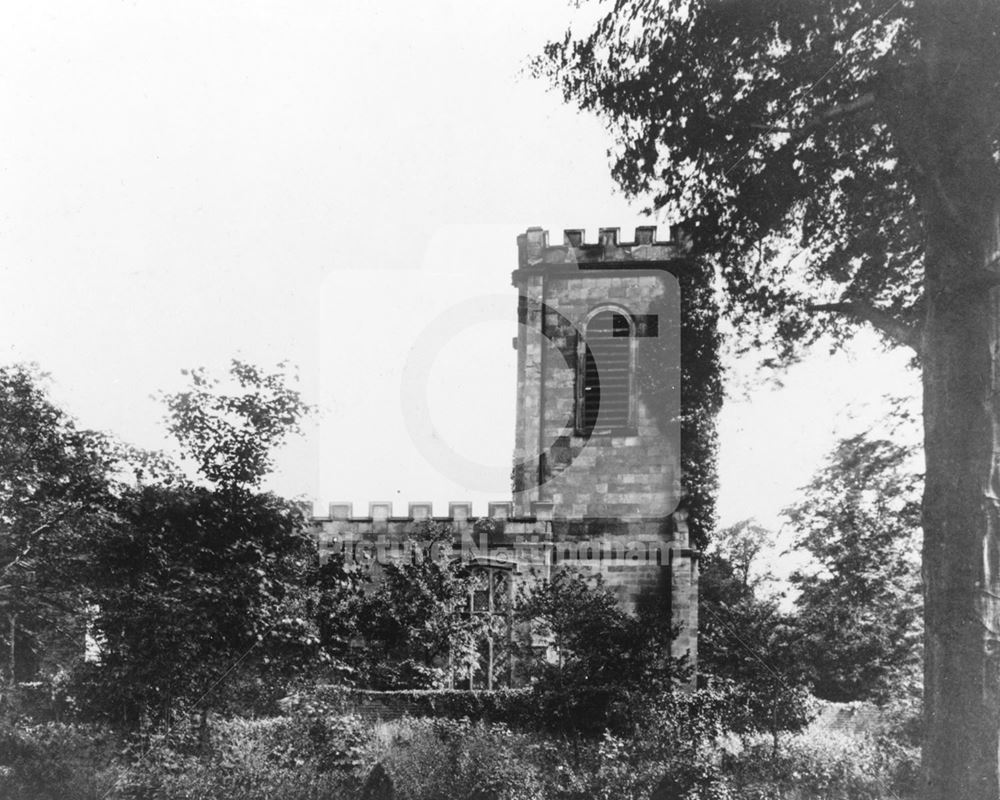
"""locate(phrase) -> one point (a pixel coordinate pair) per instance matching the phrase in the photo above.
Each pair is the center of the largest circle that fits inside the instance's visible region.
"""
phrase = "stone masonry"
(600, 498)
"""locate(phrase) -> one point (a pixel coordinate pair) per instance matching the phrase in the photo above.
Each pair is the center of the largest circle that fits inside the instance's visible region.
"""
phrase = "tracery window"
(490, 598)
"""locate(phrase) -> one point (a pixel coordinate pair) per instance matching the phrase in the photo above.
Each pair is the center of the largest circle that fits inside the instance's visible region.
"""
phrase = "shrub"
(515, 707)
(443, 759)
(55, 760)
(825, 764)
(583, 711)
(457, 760)
(43, 700)
(302, 757)
(609, 769)
(314, 734)
(684, 744)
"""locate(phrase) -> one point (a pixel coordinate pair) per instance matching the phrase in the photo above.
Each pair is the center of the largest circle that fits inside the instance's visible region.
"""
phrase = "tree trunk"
(961, 517)
(952, 118)
(962, 548)
(204, 732)
(12, 653)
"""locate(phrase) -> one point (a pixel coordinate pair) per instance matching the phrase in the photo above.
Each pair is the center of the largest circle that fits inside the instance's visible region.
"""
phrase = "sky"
(325, 183)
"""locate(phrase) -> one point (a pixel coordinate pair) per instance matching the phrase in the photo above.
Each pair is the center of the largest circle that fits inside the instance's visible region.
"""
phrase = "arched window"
(606, 358)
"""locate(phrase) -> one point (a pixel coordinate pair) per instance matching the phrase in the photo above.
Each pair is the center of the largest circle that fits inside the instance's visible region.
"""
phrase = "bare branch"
(878, 318)
(827, 115)
(32, 538)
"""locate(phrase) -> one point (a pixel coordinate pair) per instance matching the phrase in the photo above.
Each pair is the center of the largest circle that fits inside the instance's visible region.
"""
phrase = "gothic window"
(490, 599)
(606, 360)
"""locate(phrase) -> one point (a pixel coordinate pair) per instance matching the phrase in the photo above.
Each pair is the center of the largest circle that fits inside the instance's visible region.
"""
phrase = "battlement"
(499, 525)
(637, 558)
(382, 511)
(632, 557)
(534, 249)
(380, 518)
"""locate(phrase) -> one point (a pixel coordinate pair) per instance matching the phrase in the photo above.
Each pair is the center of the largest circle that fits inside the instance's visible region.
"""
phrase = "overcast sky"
(322, 182)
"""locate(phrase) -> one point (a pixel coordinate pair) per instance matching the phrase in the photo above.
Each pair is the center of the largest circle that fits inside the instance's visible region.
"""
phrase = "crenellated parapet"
(499, 517)
(639, 549)
(458, 512)
(638, 559)
(536, 250)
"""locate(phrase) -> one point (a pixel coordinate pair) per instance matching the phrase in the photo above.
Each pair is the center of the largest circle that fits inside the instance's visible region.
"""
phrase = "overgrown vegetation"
(308, 755)
(208, 605)
(604, 664)
(408, 624)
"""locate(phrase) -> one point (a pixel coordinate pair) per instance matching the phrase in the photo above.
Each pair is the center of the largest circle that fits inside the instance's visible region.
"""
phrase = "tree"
(411, 622)
(867, 132)
(729, 611)
(747, 646)
(231, 437)
(56, 486)
(185, 589)
(740, 546)
(858, 607)
(195, 582)
(599, 662)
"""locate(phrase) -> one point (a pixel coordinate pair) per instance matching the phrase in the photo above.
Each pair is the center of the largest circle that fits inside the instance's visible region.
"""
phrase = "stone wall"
(638, 559)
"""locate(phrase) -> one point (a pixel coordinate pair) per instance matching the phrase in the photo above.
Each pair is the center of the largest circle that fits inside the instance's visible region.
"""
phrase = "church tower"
(598, 430)
(598, 376)
(597, 475)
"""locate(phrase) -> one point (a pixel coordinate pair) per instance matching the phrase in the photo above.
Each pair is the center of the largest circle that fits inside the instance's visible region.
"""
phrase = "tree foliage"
(593, 665)
(231, 431)
(735, 624)
(593, 640)
(840, 161)
(56, 488)
(859, 608)
(742, 546)
(747, 645)
(187, 588)
(782, 132)
(194, 582)
(411, 622)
